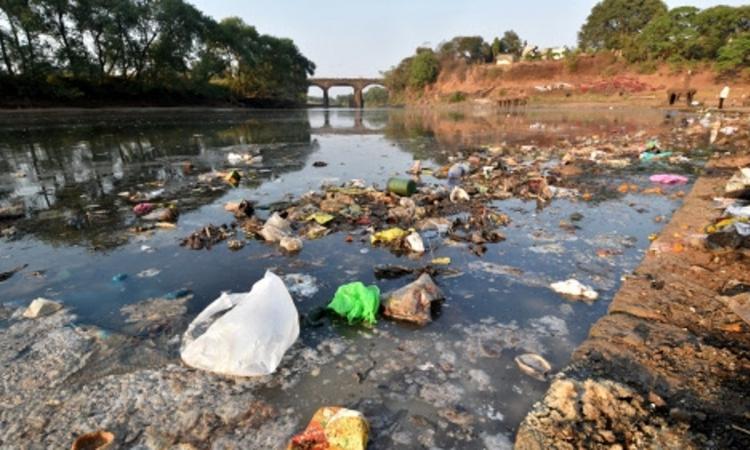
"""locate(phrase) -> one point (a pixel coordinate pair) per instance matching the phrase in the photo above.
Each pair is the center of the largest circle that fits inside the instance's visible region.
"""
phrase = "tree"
(719, 24)
(673, 35)
(424, 69)
(472, 49)
(497, 47)
(511, 44)
(735, 55)
(376, 96)
(614, 24)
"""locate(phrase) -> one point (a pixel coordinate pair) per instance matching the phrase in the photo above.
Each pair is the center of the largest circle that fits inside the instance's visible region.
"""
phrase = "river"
(453, 383)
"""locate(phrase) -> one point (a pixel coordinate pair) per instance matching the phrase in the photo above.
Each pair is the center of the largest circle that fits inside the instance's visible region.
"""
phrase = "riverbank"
(593, 79)
(669, 365)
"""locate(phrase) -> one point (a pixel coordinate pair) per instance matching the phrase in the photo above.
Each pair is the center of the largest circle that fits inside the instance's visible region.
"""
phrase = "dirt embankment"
(669, 366)
(586, 78)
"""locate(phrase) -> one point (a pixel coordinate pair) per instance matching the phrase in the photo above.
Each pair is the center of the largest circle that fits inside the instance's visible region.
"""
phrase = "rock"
(41, 307)
(291, 244)
(333, 427)
(412, 303)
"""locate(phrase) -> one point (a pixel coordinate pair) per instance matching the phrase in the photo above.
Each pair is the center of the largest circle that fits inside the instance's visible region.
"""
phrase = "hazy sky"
(363, 38)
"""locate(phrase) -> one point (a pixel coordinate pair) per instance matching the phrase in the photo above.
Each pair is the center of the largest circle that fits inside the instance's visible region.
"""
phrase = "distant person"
(723, 96)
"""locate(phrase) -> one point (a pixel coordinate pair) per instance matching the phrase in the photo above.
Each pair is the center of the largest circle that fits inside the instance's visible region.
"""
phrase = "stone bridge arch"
(358, 84)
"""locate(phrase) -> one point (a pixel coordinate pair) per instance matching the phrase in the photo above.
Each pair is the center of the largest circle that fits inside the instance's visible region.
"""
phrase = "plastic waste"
(533, 365)
(291, 244)
(738, 211)
(458, 195)
(668, 178)
(233, 178)
(334, 428)
(575, 289)
(275, 228)
(457, 171)
(388, 236)
(442, 261)
(251, 338)
(413, 302)
(650, 156)
(98, 440)
(415, 243)
(301, 285)
(141, 209)
(120, 277)
(356, 302)
(41, 307)
(402, 186)
(739, 182)
(321, 218)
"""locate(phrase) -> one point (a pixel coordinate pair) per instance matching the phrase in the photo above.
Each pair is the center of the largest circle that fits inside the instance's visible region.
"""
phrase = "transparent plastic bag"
(248, 340)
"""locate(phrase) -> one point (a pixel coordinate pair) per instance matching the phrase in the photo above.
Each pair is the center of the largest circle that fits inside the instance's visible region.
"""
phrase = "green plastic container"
(402, 186)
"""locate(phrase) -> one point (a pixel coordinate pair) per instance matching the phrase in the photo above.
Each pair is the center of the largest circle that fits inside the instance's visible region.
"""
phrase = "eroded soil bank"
(669, 365)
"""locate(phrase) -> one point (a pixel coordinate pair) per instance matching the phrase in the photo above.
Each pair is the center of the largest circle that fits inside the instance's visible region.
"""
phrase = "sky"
(354, 38)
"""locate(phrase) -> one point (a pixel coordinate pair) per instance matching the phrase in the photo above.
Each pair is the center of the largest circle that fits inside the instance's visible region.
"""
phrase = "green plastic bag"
(355, 301)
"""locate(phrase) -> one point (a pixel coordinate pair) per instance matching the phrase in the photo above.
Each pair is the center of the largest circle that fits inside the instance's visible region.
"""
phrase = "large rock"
(413, 302)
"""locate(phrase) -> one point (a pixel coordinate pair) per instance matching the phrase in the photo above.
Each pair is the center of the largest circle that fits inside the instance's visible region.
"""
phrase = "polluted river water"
(111, 359)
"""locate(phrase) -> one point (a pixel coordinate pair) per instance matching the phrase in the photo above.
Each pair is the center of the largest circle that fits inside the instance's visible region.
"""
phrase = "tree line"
(646, 30)
(70, 49)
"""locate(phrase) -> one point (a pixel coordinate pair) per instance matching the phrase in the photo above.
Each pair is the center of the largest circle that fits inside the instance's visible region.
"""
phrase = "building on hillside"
(553, 53)
(504, 59)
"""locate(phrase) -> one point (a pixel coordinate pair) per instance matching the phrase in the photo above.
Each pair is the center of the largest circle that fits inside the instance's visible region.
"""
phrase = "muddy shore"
(669, 365)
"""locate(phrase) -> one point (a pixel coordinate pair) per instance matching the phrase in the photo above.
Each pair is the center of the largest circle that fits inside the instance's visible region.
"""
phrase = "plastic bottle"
(402, 186)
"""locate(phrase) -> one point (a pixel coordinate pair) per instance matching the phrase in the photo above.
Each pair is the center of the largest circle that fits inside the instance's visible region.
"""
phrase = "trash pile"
(732, 229)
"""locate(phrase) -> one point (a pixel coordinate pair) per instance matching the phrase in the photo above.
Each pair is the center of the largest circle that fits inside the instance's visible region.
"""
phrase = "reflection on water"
(69, 169)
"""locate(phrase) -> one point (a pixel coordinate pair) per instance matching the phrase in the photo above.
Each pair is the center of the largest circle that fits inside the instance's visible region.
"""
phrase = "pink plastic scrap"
(668, 178)
(142, 209)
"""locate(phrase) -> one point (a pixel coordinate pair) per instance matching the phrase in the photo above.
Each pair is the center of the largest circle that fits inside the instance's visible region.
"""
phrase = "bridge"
(358, 84)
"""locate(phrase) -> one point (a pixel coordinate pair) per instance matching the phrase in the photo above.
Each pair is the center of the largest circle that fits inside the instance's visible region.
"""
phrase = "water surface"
(453, 381)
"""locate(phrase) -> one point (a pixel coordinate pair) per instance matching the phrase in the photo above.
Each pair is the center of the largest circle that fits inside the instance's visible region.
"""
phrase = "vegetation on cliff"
(644, 33)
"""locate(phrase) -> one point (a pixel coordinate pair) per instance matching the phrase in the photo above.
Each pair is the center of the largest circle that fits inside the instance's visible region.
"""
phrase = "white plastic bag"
(248, 340)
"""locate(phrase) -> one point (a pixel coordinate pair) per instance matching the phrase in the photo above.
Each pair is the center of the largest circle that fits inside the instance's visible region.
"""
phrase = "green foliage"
(735, 55)
(424, 69)
(376, 97)
(613, 24)
(674, 35)
(472, 49)
(572, 61)
(457, 97)
(511, 44)
(150, 43)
